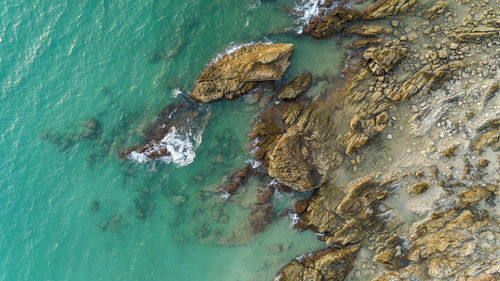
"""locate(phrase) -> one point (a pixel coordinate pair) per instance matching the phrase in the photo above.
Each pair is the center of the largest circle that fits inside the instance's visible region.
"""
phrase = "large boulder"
(334, 263)
(237, 72)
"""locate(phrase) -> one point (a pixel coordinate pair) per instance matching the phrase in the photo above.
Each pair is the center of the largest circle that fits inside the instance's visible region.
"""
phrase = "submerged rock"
(235, 73)
(298, 85)
(334, 263)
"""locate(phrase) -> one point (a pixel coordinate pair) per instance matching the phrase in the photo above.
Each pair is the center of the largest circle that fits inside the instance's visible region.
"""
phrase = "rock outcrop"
(295, 87)
(346, 219)
(235, 73)
(385, 8)
(297, 143)
(332, 22)
(334, 263)
(436, 10)
(367, 30)
(454, 244)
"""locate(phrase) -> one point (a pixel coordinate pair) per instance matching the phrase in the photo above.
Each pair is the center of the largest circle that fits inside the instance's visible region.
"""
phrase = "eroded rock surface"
(331, 22)
(235, 73)
(333, 263)
(298, 85)
(297, 143)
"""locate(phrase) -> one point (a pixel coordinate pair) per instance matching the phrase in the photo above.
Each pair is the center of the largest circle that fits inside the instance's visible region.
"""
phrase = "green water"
(118, 62)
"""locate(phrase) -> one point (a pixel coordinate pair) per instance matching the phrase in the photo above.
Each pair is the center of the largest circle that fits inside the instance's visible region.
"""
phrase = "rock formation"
(236, 73)
(334, 263)
(331, 22)
(295, 87)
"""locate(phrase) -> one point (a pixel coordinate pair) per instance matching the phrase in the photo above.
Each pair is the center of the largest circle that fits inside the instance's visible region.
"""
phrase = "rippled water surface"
(71, 209)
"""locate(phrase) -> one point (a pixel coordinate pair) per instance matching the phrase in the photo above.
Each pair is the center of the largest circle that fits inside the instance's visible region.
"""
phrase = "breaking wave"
(181, 145)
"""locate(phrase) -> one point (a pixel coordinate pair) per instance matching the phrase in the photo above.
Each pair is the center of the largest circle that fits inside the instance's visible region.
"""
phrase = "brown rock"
(367, 30)
(385, 8)
(424, 80)
(365, 42)
(449, 151)
(334, 263)
(298, 85)
(436, 10)
(236, 73)
(330, 23)
(383, 60)
(419, 188)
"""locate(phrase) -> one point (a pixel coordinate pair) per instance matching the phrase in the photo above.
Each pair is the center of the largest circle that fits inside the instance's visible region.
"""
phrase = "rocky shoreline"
(402, 157)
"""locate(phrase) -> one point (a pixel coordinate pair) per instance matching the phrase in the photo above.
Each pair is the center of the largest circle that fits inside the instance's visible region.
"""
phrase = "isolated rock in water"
(385, 8)
(334, 263)
(300, 84)
(237, 72)
(174, 133)
(331, 23)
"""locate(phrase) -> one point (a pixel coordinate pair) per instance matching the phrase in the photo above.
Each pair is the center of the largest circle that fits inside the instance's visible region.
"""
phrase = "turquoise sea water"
(71, 209)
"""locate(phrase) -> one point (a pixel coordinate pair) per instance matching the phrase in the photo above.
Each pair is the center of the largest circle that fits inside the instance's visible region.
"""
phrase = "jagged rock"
(365, 42)
(476, 34)
(449, 151)
(385, 8)
(236, 73)
(383, 60)
(392, 254)
(455, 244)
(332, 264)
(367, 30)
(424, 80)
(299, 85)
(419, 188)
(297, 144)
(331, 23)
(491, 91)
(346, 219)
(436, 10)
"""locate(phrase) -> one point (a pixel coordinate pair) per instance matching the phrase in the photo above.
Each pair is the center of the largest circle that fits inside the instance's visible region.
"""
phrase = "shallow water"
(71, 208)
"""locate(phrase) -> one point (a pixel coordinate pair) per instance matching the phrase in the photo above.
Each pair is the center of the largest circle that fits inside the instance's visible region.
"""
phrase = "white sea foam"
(225, 195)
(254, 163)
(181, 144)
(295, 219)
(306, 9)
(176, 92)
(233, 48)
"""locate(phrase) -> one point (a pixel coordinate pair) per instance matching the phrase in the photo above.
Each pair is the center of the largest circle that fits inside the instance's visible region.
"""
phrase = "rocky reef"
(400, 156)
(239, 71)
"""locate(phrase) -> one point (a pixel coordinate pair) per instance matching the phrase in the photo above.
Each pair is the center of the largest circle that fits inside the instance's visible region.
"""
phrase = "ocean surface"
(81, 80)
